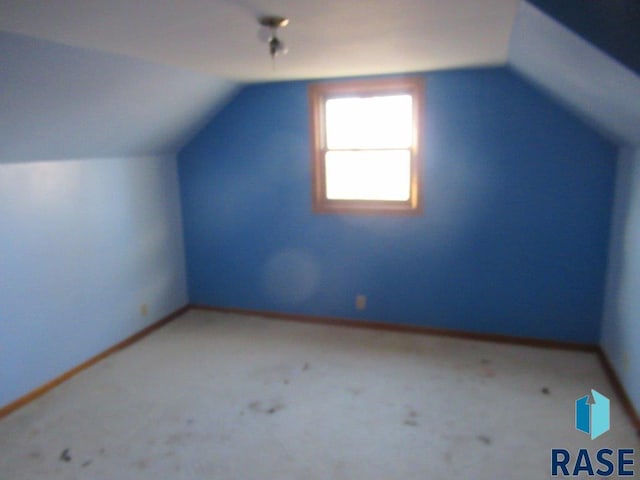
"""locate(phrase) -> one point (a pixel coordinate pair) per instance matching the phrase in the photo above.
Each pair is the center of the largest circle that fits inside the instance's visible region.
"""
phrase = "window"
(365, 138)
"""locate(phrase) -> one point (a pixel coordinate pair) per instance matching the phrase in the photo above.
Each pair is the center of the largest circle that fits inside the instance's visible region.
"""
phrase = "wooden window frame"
(319, 93)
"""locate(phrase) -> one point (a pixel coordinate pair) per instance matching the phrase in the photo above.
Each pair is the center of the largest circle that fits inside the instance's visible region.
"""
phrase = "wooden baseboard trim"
(38, 392)
(614, 379)
(392, 327)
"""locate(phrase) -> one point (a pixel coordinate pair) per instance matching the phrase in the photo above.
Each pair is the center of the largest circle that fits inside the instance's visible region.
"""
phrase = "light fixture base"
(273, 21)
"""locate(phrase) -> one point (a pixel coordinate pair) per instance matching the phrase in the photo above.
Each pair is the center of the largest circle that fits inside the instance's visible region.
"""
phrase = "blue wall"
(621, 328)
(83, 243)
(513, 238)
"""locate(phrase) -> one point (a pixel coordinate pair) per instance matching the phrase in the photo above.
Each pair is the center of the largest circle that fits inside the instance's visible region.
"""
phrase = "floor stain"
(177, 438)
(545, 391)
(411, 419)
(447, 457)
(306, 367)
(190, 421)
(141, 464)
(87, 463)
(34, 455)
(484, 439)
(269, 409)
(489, 372)
(286, 381)
(173, 439)
(355, 391)
(485, 361)
(65, 455)
(339, 468)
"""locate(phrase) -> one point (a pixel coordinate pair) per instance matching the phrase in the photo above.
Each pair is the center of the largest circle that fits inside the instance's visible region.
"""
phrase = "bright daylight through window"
(365, 144)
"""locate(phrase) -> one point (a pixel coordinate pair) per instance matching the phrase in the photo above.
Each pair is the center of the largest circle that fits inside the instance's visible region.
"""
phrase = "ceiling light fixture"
(273, 22)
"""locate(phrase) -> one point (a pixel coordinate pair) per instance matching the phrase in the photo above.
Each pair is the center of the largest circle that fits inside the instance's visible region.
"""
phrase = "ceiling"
(223, 38)
(60, 102)
(592, 83)
(100, 78)
(611, 25)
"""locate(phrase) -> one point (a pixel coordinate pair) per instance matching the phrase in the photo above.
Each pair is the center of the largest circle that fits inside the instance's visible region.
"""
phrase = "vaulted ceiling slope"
(326, 39)
(97, 78)
(594, 84)
(61, 102)
(611, 25)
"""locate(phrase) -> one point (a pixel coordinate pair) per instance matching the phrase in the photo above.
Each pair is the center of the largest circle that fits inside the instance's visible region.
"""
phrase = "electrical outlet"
(626, 361)
(144, 309)
(361, 302)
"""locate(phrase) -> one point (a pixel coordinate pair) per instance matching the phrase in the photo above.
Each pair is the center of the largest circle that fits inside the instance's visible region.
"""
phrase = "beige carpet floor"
(223, 396)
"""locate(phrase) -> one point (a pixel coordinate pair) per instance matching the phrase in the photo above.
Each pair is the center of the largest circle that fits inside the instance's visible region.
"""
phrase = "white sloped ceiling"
(60, 102)
(593, 84)
(80, 80)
